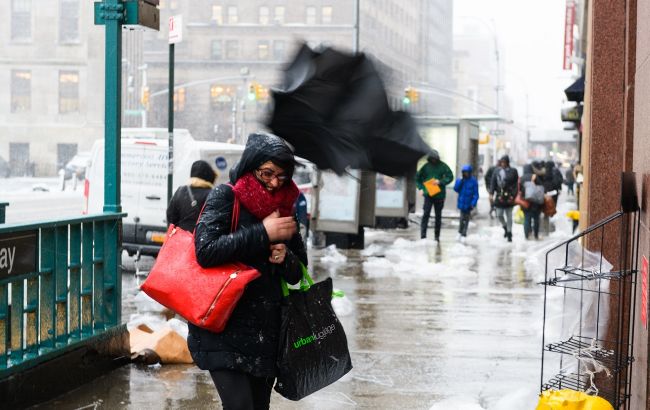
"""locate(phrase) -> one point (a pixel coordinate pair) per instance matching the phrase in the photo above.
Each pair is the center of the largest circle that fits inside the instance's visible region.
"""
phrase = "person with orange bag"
(432, 178)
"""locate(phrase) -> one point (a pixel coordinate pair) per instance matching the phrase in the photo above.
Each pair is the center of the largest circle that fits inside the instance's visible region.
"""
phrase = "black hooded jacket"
(249, 343)
(188, 200)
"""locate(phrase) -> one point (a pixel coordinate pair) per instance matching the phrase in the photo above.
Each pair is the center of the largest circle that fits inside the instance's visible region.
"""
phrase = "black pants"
(437, 205)
(241, 391)
(531, 221)
(464, 222)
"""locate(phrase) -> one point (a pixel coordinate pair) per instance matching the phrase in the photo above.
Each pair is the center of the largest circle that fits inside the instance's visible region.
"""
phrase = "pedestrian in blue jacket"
(467, 188)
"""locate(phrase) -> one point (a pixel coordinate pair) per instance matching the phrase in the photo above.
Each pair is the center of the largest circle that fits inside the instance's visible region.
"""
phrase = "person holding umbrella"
(242, 359)
(432, 178)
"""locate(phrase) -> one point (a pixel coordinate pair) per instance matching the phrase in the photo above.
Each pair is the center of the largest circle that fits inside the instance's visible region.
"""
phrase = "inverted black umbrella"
(333, 109)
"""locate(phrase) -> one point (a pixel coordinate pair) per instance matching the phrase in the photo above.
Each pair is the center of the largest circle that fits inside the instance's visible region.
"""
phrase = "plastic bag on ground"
(166, 343)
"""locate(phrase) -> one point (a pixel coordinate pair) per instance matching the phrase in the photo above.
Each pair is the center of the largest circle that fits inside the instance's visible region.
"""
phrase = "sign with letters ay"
(18, 253)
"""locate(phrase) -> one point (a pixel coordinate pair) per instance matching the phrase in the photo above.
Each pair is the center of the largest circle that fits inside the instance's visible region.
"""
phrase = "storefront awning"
(576, 91)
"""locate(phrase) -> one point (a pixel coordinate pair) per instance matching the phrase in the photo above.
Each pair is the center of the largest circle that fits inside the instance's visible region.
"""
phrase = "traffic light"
(411, 95)
(144, 97)
(252, 95)
(407, 96)
(415, 95)
(261, 92)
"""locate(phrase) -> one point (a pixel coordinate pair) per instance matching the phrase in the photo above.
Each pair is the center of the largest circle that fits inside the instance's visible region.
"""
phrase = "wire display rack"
(593, 352)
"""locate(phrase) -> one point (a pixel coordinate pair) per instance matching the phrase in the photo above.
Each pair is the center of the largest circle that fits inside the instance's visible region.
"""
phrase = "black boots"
(509, 236)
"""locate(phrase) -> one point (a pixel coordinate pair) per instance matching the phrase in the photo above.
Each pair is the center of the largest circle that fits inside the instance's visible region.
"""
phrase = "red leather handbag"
(205, 297)
(519, 200)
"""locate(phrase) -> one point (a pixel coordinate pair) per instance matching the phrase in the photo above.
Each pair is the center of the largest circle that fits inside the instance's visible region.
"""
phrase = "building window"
(179, 100)
(311, 15)
(278, 16)
(217, 14)
(232, 15)
(232, 49)
(263, 50)
(68, 92)
(264, 15)
(21, 19)
(21, 90)
(69, 21)
(279, 49)
(216, 51)
(327, 14)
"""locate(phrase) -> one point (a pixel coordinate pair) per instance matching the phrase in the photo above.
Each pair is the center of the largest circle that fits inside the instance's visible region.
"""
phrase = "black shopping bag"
(313, 347)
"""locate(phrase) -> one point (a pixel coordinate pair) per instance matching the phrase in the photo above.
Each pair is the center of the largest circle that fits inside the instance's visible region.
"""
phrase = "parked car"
(5, 171)
(77, 166)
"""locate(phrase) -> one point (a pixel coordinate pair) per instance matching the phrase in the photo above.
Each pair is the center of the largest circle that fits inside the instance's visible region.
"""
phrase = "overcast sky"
(530, 35)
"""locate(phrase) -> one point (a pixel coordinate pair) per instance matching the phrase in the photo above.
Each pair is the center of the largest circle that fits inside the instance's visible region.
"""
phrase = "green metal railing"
(3, 211)
(73, 296)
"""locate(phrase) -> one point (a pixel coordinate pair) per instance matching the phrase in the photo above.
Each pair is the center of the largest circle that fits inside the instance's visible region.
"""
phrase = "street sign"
(131, 13)
(573, 114)
(175, 29)
(18, 253)
(496, 133)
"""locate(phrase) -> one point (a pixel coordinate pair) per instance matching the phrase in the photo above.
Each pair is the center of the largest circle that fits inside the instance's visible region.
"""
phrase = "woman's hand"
(278, 253)
(279, 228)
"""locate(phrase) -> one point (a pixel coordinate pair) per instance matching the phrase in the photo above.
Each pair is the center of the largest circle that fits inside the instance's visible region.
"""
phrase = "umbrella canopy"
(333, 109)
(576, 91)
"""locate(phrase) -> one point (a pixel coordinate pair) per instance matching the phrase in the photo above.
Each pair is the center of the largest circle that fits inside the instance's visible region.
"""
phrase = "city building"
(53, 66)
(232, 55)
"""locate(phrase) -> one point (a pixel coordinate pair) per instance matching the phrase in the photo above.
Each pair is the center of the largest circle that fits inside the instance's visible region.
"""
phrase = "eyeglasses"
(267, 175)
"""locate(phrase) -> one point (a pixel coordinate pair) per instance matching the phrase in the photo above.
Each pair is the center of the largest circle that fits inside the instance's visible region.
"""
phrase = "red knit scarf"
(261, 202)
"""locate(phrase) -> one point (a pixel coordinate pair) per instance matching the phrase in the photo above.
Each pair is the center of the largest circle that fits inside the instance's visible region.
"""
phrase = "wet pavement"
(429, 326)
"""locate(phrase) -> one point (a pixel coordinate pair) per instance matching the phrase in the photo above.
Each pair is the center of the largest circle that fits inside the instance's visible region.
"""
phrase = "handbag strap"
(305, 283)
(235, 214)
(192, 200)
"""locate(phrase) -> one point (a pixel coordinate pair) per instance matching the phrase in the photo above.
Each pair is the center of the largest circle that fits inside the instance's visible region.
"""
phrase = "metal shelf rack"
(594, 353)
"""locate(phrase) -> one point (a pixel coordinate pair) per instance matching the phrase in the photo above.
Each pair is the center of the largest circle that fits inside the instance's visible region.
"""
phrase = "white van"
(144, 180)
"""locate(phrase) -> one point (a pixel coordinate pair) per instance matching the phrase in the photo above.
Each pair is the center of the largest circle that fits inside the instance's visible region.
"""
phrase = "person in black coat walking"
(188, 200)
(242, 359)
(503, 190)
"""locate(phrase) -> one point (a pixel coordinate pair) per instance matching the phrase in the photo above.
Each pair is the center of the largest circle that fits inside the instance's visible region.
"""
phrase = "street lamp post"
(492, 29)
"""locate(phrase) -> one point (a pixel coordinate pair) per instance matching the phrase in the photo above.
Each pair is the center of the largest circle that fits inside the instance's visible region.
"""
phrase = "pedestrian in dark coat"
(503, 191)
(467, 188)
(569, 180)
(532, 214)
(553, 180)
(188, 200)
(488, 183)
(242, 358)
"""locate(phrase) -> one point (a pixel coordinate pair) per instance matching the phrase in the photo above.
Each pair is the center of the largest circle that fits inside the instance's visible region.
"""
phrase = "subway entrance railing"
(59, 287)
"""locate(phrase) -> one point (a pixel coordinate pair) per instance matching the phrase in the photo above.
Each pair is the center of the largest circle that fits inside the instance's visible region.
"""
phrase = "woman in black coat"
(188, 200)
(242, 358)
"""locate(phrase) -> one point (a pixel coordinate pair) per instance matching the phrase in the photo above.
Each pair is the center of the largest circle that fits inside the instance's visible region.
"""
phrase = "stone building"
(52, 65)
(229, 48)
(616, 138)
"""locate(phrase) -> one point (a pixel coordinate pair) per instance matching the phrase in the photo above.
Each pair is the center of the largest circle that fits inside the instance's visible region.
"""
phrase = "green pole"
(3, 206)
(112, 108)
(112, 286)
(170, 126)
